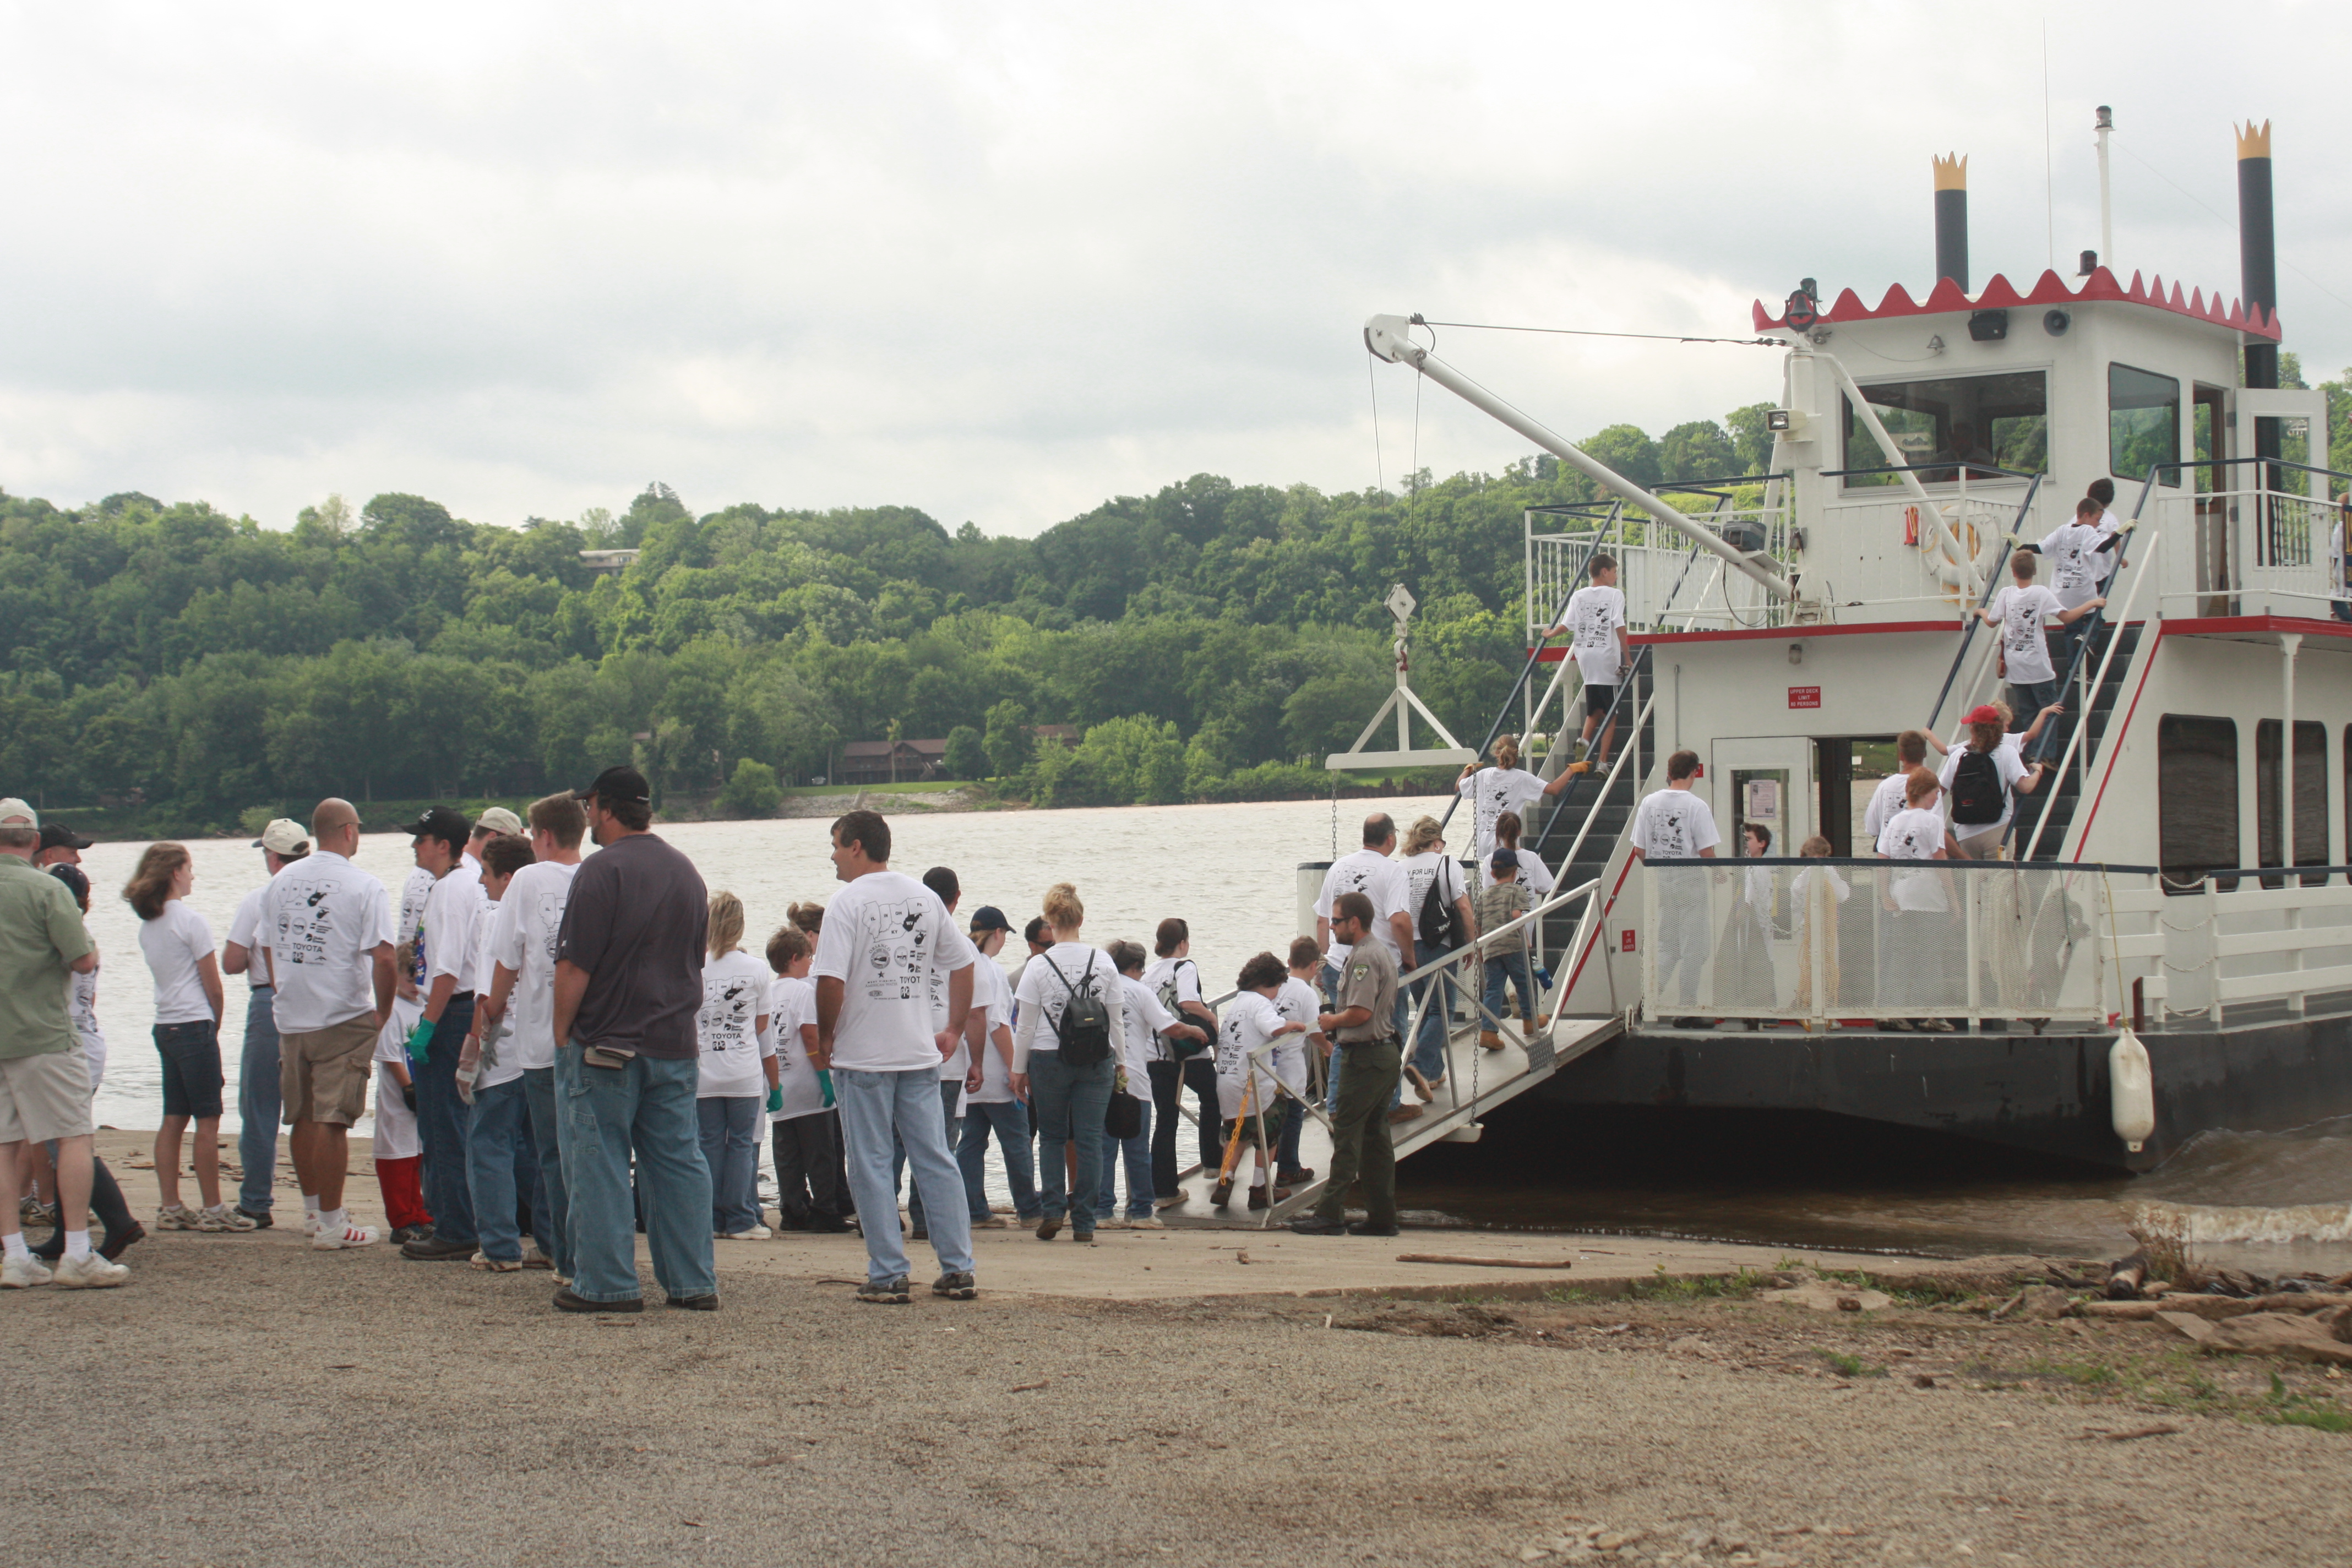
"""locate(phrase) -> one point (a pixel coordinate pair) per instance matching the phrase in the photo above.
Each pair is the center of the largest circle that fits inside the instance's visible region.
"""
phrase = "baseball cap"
(284, 835)
(499, 819)
(620, 781)
(58, 836)
(1505, 861)
(988, 917)
(1984, 713)
(440, 822)
(17, 812)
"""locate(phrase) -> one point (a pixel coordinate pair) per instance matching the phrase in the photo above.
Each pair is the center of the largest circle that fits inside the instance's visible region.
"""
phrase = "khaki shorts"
(322, 1074)
(45, 1097)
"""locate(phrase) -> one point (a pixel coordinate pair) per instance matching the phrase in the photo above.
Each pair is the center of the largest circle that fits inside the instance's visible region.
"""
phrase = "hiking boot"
(434, 1250)
(706, 1302)
(1298, 1176)
(887, 1292)
(1221, 1195)
(1366, 1227)
(566, 1301)
(1049, 1227)
(1404, 1113)
(955, 1287)
(1489, 1040)
(1257, 1198)
(1308, 1224)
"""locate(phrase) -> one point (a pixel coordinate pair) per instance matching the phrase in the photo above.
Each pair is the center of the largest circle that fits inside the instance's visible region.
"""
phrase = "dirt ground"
(247, 1400)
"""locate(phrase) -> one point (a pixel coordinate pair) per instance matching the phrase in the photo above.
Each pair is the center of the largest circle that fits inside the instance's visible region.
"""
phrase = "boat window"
(2196, 800)
(1995, 421)
(2310, 798)
(2143, 424)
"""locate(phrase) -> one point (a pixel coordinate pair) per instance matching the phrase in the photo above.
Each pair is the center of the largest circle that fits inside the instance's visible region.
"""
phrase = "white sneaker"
(310, 1226)
(495, 1265)
(24, 1273)
(220, 1217)
(89, 1272)
(349, 1236)
(179, 1217)
(757, 1233)
(1147, 1224)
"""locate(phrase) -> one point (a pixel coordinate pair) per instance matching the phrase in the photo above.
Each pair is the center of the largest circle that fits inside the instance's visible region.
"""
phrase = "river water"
(2266, 1202)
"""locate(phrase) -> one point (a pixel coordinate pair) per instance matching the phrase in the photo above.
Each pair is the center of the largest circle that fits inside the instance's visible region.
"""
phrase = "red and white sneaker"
(349, 1236)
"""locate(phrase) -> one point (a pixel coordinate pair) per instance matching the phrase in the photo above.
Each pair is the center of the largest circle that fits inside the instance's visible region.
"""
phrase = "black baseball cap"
(988, 917)
(1505, 861)
(444, 823)
(56, 835)
(620, 781)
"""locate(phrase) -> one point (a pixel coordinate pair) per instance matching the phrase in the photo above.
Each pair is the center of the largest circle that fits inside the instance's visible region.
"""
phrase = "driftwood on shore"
(1466, 1262)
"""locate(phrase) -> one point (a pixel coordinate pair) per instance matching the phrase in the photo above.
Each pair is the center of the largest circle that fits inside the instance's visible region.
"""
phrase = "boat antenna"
(2049, 203)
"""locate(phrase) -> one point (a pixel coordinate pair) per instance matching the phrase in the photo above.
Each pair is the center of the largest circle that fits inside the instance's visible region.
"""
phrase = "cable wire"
(2184, 190)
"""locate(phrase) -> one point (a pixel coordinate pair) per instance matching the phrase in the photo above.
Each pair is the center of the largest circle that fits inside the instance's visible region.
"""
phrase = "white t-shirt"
(734, 998)
(1044, 993)
(326, 918)
(1884, 802)
(954, 1068)
(2008, 765)
(1378, 879)
(1431, 866)
(499, 1053)
(2335, 557)
(449, 912)
(81, 1001)
(1297, 1003)
(1593, 614)
(2021, 612)
(2070, 549)
(412, 894)
(244, 932)
(175, 942)
(1250, 1021)
(1915, 834)
(1674, 825)
(1535, 874)
(522, 938)
(1145, 1018)
(884, 933)
(989, 989)
(396, 1136)
(2110, 525)
(1492, 791)
(792, 1005)
(1175, 980)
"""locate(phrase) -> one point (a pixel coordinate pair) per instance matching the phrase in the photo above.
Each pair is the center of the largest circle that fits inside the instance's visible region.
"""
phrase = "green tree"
(1700, 449)
(1751, 438)
(751, 790)
(1627, 449)
(967, 754)
(1007, 740)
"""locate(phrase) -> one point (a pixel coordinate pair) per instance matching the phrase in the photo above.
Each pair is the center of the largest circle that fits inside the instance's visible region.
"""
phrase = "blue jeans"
(731, 1147)
(950, 1093)
(883, 1111)
(1069, 1103)
(1511, 967)
(2029, 699)
(1009, 1120)
(1429, 1047)
(1137, 1151)
(538, 1094)
(497, 1139)
(257, 1105)
(441, 1119)
(603, 1114)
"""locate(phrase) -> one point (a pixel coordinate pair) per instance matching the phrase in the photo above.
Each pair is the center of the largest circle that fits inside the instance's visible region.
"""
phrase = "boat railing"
(2257, 941)
(2252, 536)
(1662, 590)
(1922, 556)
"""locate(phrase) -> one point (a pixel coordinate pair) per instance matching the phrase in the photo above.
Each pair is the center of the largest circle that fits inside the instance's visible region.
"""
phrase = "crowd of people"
(565, 1051)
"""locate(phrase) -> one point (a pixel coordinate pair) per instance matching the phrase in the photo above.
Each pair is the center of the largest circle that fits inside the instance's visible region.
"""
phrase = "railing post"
(1820, 932)
(2295, 922)
(1971, 907)
(2213, 940)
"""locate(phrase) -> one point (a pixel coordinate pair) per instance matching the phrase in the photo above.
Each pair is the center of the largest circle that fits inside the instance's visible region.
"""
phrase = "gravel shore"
(247, 1401)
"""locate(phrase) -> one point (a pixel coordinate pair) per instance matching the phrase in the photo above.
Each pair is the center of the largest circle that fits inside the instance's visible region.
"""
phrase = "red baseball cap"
(1985, 714)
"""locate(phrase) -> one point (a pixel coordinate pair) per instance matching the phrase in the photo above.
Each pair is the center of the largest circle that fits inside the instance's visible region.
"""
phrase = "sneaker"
(1934, 1025)
(89, 1272)
(1298, 1176)
(23, 1273)
(537, 1260)
(1177, 1202)
(887, 1292)
(32, 1211)
(220, 1217)
(495, 1265)
(562, 1278)
(707, 1302)
(1308, 1224)
(955, 1287)
(310, 1226)
(433, 1249)
(179, 1217)
(566, 1301)
(757, 1233)
(260, 1217)
(993, 1222)
(1366, 1227)
(1111, 1222)
(1146, 1223)
(1049, 1227)
(349, 1236)
(1083, 1237)
(1404, 1113)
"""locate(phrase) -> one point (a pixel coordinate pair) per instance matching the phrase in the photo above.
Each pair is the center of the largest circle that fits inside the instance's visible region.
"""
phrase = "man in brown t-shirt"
(1364, 1027)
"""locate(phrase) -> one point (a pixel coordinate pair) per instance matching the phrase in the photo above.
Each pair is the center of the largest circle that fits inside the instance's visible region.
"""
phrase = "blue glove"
(824, 1082)
(420, 1041)
(775, 1099)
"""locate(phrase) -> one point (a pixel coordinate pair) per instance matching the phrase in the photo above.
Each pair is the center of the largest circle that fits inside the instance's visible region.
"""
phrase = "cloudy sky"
(1002, 261)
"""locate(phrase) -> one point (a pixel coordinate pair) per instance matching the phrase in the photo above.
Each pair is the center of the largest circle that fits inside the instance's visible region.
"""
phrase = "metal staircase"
(2046, 817)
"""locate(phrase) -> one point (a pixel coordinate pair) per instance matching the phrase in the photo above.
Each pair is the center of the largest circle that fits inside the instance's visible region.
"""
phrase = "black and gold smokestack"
(1952, 218)
(2257, 248)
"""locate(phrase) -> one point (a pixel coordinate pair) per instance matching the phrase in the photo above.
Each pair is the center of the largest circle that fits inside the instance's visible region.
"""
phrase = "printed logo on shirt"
(895, 940)
(303, 922)
(726, 1019)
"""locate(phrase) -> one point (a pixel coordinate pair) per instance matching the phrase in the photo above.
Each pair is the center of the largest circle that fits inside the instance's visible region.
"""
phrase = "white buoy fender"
(2131, 1088)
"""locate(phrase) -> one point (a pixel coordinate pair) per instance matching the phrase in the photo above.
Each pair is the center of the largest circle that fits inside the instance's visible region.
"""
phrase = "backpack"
(1439, 927)
(1179, 1049)
(1977, 794)
(1084, 1028)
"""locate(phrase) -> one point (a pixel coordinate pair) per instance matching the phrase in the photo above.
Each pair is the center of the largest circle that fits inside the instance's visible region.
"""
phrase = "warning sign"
(1804, 697)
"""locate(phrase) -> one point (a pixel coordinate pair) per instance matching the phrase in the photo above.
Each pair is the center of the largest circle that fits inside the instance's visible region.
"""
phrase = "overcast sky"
(1001, 262)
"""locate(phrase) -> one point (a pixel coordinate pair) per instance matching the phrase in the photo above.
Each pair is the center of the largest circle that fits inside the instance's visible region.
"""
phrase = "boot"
(1489, 1040)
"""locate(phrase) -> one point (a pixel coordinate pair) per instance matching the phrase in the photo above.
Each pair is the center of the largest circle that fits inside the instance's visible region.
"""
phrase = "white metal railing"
(1669, 584)
(2258, 546)
(1902, 556)
(2196, 954)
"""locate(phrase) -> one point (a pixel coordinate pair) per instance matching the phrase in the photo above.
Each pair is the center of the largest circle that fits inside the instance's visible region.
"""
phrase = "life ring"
(1981, 540)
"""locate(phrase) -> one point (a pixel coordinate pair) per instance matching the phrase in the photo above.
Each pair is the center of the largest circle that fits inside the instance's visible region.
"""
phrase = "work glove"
(824, 1082)
(420, 1041)
(775, 1098)
(408, 1097)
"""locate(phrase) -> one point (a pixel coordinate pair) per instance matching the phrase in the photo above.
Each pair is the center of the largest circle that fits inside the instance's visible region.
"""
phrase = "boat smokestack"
(1952, 217)
(2257, 247)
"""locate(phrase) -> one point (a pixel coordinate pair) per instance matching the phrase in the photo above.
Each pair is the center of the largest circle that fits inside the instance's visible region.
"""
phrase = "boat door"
(1768, 781)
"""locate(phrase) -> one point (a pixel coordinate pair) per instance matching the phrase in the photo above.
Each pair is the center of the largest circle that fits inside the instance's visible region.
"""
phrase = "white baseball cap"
(14, 812)
(499, 819)
(284, 835)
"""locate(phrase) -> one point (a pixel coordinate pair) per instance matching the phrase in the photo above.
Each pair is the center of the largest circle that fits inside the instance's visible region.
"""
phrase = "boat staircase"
(2045, 819)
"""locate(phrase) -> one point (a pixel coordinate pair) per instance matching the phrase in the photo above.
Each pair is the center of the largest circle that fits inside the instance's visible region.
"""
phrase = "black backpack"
(1084, 1028)
(1439, 927)
(1977, 794)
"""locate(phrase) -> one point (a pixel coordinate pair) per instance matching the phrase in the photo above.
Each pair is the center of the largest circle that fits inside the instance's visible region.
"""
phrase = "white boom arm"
(1386, 337)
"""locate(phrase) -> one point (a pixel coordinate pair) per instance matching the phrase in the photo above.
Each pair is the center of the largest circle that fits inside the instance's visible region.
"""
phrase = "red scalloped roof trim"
(2048, 290)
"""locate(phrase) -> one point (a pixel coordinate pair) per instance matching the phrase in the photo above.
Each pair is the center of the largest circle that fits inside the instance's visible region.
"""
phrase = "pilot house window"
(1984, 422)
(2143, 424)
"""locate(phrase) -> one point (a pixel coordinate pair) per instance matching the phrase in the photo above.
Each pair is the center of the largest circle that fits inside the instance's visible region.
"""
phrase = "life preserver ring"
(1981, 541)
